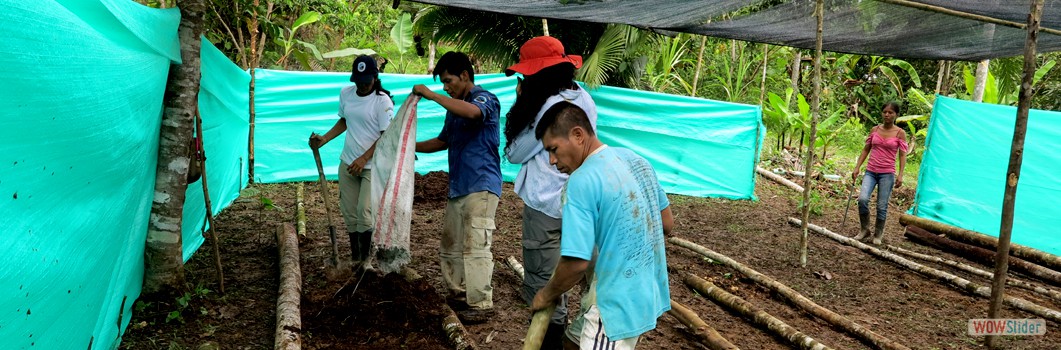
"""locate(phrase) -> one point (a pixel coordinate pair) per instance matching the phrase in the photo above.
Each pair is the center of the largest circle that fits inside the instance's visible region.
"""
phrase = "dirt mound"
(431, 189)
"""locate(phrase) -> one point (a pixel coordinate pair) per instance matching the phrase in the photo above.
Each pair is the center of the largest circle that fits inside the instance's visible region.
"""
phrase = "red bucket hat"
(541, 52)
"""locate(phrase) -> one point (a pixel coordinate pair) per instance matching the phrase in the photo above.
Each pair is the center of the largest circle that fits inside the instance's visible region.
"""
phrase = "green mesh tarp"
(963, 173)
(698, 147)
(79, 124)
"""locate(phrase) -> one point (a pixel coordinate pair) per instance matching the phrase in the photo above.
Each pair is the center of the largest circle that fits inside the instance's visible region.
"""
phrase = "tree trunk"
(777, 178)
(981, 80)
(980, 254)
(982, 240)
(288, 317)
(979, 272)
(164, 262)
(757, 316)
(762, 85)
(859, 331)
(708, 336)
(819, 13)
(795, 74)
(700, 63)
(950, 279)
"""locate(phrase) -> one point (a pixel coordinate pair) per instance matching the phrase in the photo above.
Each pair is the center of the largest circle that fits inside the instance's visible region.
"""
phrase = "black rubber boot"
(365, 242)
(355, 247)
(878, 233)
(863, 233)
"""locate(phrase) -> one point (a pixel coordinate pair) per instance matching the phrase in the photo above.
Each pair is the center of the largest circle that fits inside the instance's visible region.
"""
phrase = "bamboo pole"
(1016, 157)
(967, 15)
(861, 332)
(1027, 253)
(201, 159)
(950, 279)
(979, 272)
(451, 325)
(288, 334)
(301, 210)
(753, 313)
(777, 178)
(980, 254)
(708, 336)
(516, 267)
(819, 12)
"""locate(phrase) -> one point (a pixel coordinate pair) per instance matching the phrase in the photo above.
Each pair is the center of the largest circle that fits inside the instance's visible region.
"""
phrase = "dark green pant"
(541, 253)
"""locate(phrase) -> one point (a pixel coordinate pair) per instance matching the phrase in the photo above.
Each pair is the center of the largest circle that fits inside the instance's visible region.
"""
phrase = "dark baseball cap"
(364, 69)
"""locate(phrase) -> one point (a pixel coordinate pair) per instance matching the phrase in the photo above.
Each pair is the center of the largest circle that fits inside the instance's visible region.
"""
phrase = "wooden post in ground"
(1016, 156)
(288, 317)
(819, 12)
(201, 159)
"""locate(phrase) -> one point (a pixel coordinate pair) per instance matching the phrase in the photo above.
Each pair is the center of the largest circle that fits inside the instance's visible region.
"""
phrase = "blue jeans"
(884, 184)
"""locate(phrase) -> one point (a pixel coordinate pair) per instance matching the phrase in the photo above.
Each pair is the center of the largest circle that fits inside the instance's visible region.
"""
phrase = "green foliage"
(185, 300)
(608, 56)
(287, 41)
(737, 71)
(1004, 88)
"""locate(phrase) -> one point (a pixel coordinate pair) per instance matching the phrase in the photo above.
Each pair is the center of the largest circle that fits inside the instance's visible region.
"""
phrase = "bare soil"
(341, 310)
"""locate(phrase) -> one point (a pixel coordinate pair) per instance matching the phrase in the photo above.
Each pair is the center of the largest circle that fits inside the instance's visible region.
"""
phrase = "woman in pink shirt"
(883, 145)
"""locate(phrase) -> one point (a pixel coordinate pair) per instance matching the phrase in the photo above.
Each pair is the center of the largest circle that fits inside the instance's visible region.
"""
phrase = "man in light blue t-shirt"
(615, 218)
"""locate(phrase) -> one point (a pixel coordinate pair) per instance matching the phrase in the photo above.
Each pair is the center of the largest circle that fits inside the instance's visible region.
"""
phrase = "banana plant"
(778, 116)
(287, 41)
(402, 36)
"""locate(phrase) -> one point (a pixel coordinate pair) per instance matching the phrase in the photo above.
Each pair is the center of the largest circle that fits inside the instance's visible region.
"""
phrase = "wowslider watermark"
(1006, 326)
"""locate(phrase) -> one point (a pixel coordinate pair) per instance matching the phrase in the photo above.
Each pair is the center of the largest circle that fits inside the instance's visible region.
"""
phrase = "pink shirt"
(882, 152)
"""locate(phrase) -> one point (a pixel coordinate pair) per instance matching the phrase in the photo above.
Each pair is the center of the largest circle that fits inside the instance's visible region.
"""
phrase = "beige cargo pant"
(466, 260)
(355, 196)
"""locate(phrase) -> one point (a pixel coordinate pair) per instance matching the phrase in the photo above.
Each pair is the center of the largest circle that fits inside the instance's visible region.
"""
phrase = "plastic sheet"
(963, 171)
(698, 147)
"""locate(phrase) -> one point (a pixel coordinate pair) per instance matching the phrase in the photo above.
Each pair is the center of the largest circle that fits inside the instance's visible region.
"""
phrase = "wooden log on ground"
(288, 317)
(777, 178)
(979, 272)
(982, 240)
(861, 332)
(451, 325)
(708, 336)
(516, 267)
(300, 215)
(980, 254)
(757, 316)
(951, 279)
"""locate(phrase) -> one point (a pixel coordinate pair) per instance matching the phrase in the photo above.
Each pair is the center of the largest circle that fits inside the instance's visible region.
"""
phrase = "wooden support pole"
(819, 12)
(753, 313)
(861, 332)
(947, 278)
(980, 254)
(1016, 157)
(288, 317)
(201, 159)
(982, 240)
(979, 272)
(777, 178)
(967, 15)
(708, 336)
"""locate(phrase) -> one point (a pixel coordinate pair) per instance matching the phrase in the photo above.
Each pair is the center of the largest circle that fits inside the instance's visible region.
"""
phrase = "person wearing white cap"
(549, 78)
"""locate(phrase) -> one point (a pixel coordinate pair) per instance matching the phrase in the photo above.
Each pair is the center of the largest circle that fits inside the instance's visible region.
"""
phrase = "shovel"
(327, 205)
(850, 189)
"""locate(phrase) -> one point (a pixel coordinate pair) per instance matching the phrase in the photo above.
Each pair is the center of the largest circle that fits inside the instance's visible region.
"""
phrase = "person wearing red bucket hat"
(549, 78)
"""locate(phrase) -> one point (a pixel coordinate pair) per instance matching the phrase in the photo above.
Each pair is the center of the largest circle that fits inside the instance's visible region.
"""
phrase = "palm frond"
(606, 56)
